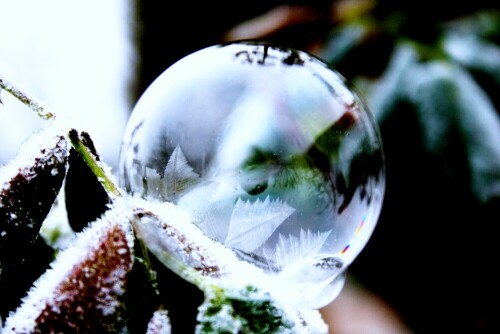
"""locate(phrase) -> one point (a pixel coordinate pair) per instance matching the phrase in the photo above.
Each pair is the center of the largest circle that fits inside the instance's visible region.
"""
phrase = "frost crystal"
(177, 177)
(253, 223)
(178, 174)
(292, 249)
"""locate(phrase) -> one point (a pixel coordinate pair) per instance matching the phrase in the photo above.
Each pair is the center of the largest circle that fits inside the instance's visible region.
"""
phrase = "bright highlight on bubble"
(273, 154)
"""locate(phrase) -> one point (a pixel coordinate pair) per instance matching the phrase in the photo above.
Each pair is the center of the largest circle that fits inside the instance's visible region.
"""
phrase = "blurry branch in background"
(306, 22)
(274, 21)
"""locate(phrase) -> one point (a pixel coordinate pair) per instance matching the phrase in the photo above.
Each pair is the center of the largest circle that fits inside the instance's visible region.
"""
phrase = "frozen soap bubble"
(272, 152)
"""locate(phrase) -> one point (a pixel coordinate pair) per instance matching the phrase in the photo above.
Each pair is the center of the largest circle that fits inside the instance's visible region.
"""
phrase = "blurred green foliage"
(432, 83)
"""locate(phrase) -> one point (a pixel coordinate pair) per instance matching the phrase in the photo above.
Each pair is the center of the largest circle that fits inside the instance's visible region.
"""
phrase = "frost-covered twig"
(29, 101)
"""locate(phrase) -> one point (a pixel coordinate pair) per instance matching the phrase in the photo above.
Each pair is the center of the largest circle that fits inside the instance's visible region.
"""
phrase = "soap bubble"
(273, 154)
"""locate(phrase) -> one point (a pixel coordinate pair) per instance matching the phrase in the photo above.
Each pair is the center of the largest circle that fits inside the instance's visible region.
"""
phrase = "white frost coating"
(159, 323)
(226, 323)
(42, 293)
(295, 321)
(183, 222)
(45, 138)
(233, 271)
(108, 171)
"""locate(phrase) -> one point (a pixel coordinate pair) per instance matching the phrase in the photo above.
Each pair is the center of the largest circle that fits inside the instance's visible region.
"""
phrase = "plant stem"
(25, 99)
(93, 164)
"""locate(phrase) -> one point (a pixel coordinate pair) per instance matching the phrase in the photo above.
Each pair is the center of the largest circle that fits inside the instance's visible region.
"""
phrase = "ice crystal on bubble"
(292, 249)
(180, 174)
(273, 154)
(175, 179)
(252, 224)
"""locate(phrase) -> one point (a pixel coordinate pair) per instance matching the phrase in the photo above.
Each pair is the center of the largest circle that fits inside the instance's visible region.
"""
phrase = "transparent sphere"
(271, 151)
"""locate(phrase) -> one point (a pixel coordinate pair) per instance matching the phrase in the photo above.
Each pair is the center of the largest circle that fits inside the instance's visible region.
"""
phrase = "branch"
(25, 99)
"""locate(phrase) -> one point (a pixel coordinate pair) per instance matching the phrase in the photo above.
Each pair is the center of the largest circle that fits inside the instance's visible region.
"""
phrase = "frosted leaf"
(170, 234)
(253, 223)
(178, 174)
(28, 189)
(167, 242)
(47, 147)
(292, 249)
(86, 281)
